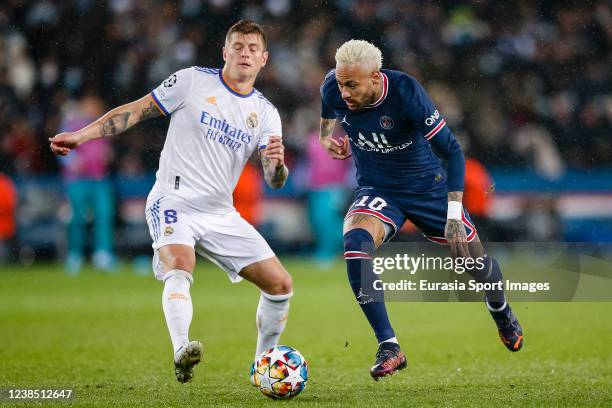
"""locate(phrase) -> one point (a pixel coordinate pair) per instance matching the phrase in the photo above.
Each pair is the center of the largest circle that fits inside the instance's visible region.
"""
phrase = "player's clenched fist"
(64, 142)
(338, 150)
(275, 151)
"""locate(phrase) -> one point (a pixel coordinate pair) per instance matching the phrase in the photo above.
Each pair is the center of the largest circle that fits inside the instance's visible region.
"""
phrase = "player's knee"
(183, 263)
(179, 260)
(279, 285)
(282, 285)
(358, 240)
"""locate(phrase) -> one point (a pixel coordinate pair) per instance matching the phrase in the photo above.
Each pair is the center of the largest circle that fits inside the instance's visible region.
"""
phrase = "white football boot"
(185, 359)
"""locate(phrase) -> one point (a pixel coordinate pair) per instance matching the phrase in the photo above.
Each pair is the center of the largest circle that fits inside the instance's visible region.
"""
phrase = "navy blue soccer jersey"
(391, 139)
(400, 177)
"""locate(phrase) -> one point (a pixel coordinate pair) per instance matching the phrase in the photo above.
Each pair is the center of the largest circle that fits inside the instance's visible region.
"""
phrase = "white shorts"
(228, 240)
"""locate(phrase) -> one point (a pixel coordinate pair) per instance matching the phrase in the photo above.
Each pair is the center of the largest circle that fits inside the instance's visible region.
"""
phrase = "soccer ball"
(280, 372)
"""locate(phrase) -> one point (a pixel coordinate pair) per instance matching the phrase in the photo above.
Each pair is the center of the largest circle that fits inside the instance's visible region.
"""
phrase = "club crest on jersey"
(252, 121)
(386, 122)
(168, 231)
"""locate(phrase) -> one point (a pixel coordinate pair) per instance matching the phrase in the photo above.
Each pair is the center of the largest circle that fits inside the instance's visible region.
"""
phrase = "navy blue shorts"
(425, 210)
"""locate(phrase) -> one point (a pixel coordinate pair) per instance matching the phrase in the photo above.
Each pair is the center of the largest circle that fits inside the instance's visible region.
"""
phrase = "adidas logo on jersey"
(212, 100)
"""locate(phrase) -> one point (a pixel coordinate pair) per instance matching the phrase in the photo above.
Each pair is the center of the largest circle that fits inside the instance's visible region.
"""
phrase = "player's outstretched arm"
(112, 123)
(338, 150)
(273, 162)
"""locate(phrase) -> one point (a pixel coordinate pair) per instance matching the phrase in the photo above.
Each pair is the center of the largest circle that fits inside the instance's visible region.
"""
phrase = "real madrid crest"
(168, 231)
(386, 122)
(252, 121)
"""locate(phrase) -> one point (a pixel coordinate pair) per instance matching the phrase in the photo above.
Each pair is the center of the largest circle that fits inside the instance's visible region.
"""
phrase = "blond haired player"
(218, 119)
(391, 126)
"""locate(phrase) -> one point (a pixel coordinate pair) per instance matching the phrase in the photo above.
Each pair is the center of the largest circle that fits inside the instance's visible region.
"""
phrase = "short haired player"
(391, 126)
(217, 120)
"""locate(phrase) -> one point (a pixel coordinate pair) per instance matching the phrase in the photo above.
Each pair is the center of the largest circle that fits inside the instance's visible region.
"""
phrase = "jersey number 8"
(170, 216)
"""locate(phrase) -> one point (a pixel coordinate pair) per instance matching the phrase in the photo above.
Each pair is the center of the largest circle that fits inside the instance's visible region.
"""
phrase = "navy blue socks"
(358, 251)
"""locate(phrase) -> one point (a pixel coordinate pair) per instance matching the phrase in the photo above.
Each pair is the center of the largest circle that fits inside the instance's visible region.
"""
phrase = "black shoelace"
(385, 354)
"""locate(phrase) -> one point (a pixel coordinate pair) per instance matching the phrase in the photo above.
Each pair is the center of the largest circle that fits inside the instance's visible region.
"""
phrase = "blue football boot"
(389, 359)
(510, 331)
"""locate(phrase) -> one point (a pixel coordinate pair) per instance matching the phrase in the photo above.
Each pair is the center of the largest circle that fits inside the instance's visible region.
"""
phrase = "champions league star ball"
(280, 372)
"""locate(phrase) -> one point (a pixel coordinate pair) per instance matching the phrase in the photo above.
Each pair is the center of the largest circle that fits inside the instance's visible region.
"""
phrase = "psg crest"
(386, 122)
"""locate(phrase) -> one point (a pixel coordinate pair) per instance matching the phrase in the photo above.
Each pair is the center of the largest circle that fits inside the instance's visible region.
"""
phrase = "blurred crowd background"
(525, 85)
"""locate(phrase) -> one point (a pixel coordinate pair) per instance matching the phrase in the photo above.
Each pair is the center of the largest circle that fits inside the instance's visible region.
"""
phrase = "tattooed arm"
(112, 123)
(327, 128)
(337, 150)
(455, 231)
(273, 162)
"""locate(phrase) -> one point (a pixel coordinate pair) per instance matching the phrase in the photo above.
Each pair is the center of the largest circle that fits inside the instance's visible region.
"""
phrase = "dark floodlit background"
(526, 87)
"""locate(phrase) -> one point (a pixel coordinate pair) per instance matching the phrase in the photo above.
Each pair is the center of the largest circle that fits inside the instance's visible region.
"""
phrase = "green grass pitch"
(105, 336)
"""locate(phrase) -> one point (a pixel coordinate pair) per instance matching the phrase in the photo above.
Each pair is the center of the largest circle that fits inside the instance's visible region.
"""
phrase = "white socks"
(177, 306)
(272, 313)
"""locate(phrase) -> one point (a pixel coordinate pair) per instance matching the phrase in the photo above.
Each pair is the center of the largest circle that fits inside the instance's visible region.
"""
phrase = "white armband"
(454, 210)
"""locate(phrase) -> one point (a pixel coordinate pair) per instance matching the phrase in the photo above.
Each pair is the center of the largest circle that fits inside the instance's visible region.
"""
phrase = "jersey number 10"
(375, 204)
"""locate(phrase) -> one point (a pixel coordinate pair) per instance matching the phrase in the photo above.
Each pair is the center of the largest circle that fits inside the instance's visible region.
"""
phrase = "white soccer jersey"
(213, 131)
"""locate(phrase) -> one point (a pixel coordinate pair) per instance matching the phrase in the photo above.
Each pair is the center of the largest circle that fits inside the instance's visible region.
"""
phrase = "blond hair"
(359, 52)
